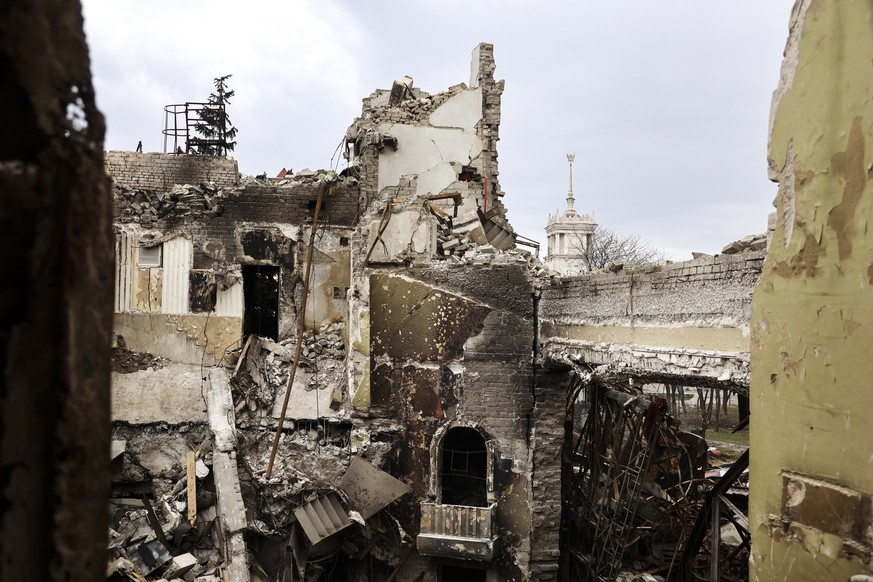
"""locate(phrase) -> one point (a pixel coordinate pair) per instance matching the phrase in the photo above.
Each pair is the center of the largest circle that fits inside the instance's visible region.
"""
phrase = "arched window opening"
(464, 468)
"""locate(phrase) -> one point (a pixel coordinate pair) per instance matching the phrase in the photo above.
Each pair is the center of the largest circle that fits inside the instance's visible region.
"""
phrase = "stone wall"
(157, 171)
(218, 232)
(447, 353)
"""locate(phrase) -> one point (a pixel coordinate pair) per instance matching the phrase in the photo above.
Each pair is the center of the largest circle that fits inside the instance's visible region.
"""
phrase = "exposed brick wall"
(548, 440)
(216, 218)
(157, 171)
(710, 292)
(491, 94)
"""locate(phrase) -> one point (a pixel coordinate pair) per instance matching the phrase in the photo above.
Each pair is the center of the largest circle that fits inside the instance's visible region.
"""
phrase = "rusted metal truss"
(635, 492)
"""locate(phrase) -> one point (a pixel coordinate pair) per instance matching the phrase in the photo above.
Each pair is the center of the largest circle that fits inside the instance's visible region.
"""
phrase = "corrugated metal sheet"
(229, 302)
(178, 254)
(322, 517)
(369, 489)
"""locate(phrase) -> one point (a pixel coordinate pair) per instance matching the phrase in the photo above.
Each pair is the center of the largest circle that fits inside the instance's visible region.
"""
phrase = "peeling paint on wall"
(811, 317)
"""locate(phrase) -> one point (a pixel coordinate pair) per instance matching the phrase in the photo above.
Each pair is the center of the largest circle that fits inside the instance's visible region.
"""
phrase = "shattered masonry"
(428, 418)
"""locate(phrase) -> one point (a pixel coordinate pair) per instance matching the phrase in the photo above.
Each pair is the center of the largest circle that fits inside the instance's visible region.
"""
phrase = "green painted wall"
(812, 316)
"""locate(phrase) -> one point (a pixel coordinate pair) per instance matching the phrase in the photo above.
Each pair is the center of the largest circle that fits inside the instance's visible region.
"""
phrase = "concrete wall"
(422, 144)
(689, 318)
(157, 171)
(812, 320)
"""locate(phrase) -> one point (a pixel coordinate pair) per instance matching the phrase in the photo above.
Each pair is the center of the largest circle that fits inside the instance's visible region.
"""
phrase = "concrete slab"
(171, 394)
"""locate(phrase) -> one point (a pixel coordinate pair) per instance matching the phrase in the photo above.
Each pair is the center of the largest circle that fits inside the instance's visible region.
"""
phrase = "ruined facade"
(416, 368)
(422, 372)
(453, 393)
(461, 412)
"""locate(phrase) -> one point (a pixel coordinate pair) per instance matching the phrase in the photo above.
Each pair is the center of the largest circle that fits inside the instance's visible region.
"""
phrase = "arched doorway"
(464, 468)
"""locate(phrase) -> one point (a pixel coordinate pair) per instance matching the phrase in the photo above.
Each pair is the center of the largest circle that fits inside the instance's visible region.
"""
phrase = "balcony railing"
(457, 531)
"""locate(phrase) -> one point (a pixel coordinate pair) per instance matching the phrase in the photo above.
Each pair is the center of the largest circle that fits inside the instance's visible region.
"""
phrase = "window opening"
(261, 295)
(464, 468)
(149, 256)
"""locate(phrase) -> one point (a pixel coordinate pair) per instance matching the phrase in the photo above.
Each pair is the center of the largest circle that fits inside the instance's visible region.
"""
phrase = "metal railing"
(184, 121)
(457, 520)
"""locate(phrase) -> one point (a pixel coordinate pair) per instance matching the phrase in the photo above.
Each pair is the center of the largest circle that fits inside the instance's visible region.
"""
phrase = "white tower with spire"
(570, 235)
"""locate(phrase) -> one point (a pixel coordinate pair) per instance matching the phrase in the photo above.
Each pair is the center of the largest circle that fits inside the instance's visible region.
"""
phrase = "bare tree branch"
(609, 246)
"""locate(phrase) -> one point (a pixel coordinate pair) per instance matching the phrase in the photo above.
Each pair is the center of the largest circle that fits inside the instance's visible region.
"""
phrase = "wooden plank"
(192, 488)
(242, 356)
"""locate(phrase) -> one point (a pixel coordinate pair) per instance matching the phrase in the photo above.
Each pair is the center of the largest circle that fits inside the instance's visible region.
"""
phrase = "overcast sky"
(665, 104)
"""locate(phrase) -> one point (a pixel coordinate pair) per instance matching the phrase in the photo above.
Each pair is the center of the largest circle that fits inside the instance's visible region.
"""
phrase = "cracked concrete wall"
(56, 289)
(684, 321)
(812, 322)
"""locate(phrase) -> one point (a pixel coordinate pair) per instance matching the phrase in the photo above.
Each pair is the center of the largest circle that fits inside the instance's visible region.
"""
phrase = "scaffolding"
(184, 122)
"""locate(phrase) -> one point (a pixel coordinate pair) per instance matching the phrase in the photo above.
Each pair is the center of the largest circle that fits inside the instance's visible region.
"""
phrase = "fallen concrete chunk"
(149, 556)
(733, 248)
(180, 565)
(322, 517)
(117, 449)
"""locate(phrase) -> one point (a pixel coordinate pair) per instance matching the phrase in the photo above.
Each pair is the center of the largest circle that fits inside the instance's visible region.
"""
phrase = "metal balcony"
(457, 531)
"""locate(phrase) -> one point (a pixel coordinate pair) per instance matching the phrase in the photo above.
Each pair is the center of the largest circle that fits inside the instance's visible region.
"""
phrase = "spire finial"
(570, 200)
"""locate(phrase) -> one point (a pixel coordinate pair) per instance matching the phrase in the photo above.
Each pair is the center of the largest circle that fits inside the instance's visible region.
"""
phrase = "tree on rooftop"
(214, 125)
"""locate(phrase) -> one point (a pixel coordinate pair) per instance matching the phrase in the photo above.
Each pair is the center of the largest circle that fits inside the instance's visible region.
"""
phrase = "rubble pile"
(125, 361)
(264, 373)
(307, 177)
(144, 207)
(161, 539)
(411, 104)
(451, 242)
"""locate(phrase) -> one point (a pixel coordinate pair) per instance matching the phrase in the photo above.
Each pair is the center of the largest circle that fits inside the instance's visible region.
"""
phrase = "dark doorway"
(464, 468)
(458, 574)
(261, 296)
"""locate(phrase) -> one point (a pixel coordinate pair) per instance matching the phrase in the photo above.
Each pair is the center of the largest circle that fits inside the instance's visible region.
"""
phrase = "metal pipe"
(300, 327)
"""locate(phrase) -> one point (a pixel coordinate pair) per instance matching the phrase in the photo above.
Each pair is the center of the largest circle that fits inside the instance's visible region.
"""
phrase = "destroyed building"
(459, 411)
(414, 371)
(412, 406)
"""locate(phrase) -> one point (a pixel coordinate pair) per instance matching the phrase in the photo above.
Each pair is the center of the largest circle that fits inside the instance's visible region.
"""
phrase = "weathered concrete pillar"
(812, 317)
(549, 414)
(55, 299)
